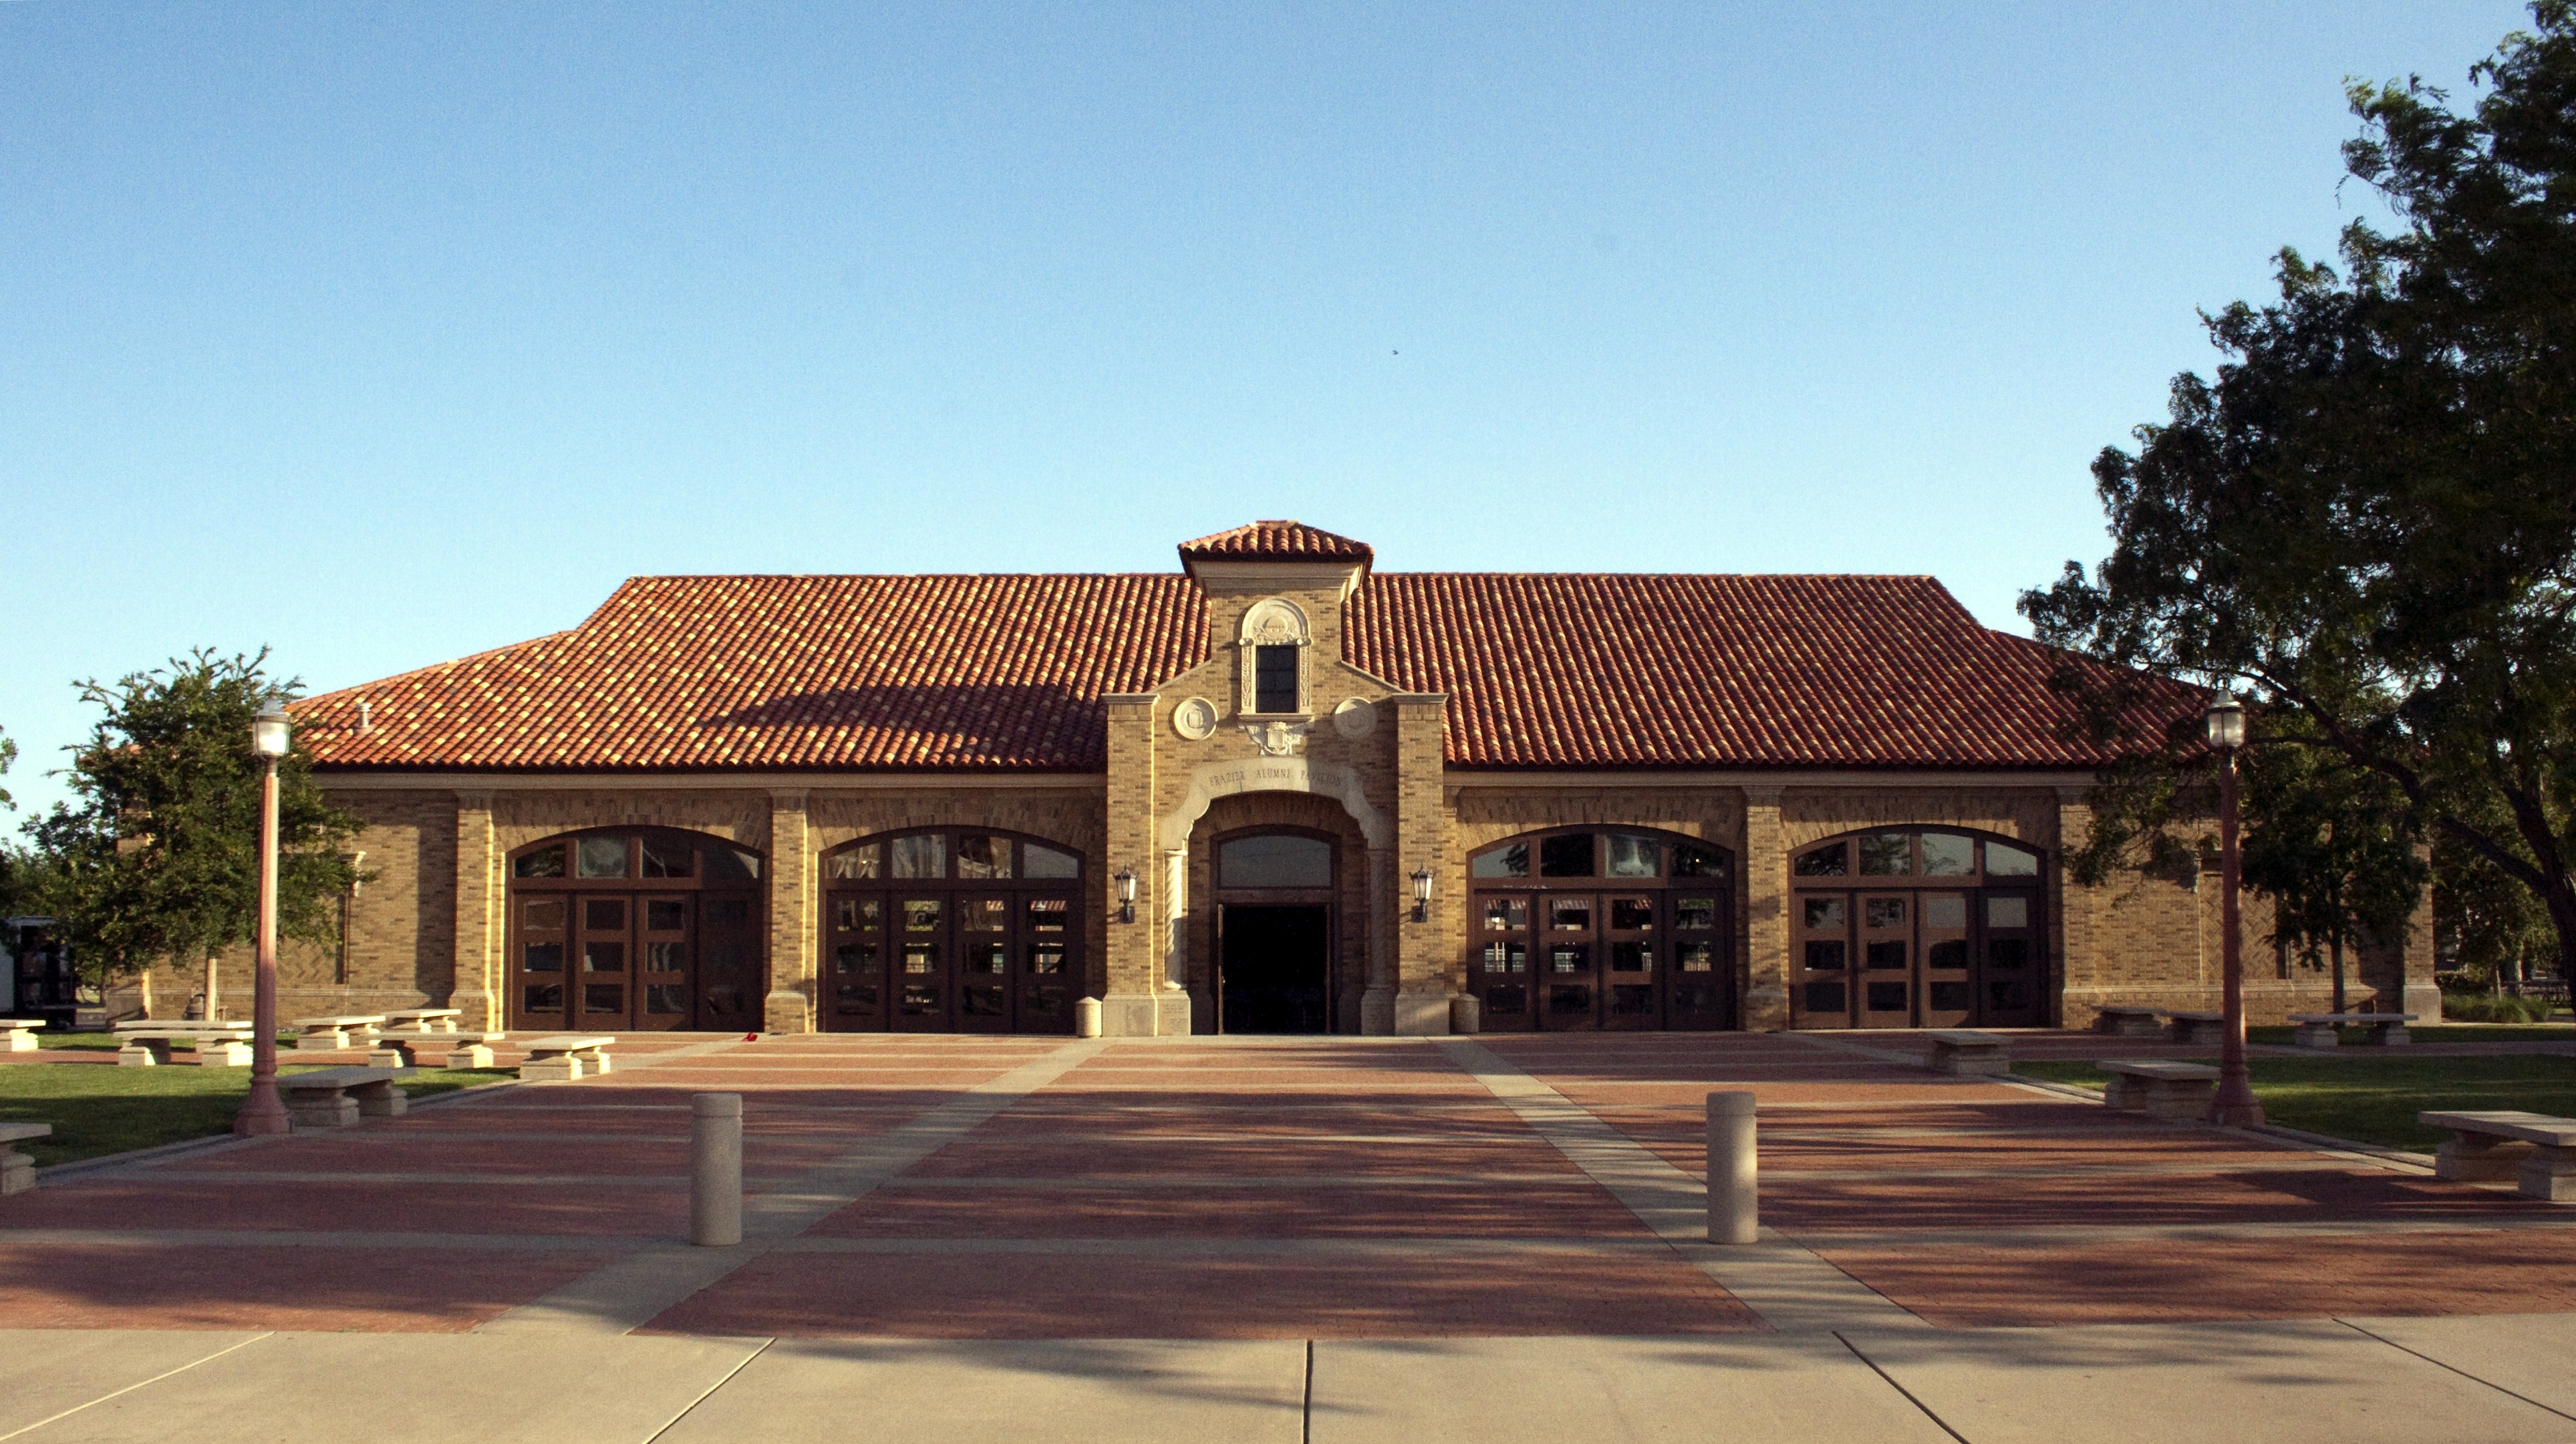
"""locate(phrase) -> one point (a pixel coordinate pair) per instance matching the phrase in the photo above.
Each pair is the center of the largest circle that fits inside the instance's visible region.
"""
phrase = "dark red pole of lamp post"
(2234, 1107)
(263, 1112)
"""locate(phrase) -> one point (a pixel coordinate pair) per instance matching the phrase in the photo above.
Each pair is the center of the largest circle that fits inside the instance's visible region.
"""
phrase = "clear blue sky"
(385, 333)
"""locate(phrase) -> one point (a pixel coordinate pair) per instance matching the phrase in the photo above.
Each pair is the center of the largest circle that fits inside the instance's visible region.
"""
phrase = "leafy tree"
(157, 857)
(2369, 516)
(2333, 848)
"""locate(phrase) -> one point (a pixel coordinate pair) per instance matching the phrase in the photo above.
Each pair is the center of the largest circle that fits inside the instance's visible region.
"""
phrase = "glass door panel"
(1949, 987)
(2009, 981)
(603, 989)
(1820, 988)
(1699, 981)
(1044, 997)
(983, 961)
(538, 998)
(1569, 948)
(854, 961)
(1887, 961)
(1498, 962)
(728, 963)
(923, 983)
(663, 975)
(1631, 947)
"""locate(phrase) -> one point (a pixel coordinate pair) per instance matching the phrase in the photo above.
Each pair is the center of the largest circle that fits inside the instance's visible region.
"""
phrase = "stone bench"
(2186, 1026)
(424, 1020)
(219, 1045)
(2317, 1030)
(398, 1047)
(338, 1097)
(2125, 1021)
(1965, 1051)
(324, 1034)
(2535, 1149)
(18, 1035)
(2160, 1089)
(17, 1170)
(567, 1057)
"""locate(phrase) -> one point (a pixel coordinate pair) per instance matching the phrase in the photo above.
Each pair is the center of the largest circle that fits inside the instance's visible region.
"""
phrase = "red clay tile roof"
(1277, 541)
(1005, 673)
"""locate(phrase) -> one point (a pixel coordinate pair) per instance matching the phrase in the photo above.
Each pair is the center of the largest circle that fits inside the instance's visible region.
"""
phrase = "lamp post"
(2234, 1106)
(263, 1112)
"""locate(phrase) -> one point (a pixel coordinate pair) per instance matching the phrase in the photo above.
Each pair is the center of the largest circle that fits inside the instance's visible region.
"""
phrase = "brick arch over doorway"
(952, 930)
(626, 929)
(1354, 939)
(1602, 926)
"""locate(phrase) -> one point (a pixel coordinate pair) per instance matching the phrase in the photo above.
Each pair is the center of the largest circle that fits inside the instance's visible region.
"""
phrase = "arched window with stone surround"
(951, 929)
(635, 929)
(1601, 927)
(1917, 928)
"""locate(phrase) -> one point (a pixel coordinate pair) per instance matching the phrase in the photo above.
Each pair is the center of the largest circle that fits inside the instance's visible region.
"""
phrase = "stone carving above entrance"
(1195, 719)
(1355, 718)
(1278, 739)
(1272, 622)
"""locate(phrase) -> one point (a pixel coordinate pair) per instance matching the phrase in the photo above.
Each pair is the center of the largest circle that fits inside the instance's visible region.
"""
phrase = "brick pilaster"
(1131, 988)
(1766, 913)
(478, 980)
(2075, 957)
(793, 987)
(1421, 1001)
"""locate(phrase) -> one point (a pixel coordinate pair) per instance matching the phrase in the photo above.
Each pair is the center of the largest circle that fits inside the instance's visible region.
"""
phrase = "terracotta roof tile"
(1276, 541)
(1005, 673)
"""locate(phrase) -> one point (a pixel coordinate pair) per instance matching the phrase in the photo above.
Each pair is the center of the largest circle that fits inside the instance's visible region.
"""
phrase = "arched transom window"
(951, 930)
(632, 929)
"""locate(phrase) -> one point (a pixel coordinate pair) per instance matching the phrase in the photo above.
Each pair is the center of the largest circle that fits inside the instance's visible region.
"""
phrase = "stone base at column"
(480, 1011)
(1130, 1015)
(1766, 1009)
(1422, 1014)
(786, 1011)
(2424, 1000)
(1172, 1015)
(1377, 1012)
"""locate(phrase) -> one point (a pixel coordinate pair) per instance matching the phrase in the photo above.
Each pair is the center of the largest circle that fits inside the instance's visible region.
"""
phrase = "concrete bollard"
(715, 1169)
(1734, 1210)
(1086, 1018)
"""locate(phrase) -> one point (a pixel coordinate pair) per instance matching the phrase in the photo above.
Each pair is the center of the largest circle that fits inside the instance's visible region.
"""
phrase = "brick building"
(1275, 791)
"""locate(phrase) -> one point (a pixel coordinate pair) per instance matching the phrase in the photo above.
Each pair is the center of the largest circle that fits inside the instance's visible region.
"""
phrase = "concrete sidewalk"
(2474, 1380)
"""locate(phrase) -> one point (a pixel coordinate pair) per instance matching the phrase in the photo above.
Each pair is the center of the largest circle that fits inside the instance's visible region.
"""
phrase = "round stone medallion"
(1355, 718)
(1195, 719)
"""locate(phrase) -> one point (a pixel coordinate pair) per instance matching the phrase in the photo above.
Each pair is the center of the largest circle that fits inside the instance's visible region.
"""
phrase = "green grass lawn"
(2373, 1097)
(101, 1109)
(2443, 1033)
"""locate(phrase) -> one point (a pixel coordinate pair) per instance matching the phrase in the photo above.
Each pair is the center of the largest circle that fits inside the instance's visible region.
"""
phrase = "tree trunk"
(2334, 949)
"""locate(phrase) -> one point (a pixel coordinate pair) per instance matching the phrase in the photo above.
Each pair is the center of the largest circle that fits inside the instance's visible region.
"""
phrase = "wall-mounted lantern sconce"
(1422, 894)
(1126, 896)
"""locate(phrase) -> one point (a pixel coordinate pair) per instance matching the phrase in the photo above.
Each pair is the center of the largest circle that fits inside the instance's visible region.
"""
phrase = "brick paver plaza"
(1328, 1239)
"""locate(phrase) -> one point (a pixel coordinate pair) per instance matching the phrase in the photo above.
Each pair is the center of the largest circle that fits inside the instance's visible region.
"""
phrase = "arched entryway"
(635, 929)
(951, 930)
(1274, 931)
(1917, 928)
(1602, 928)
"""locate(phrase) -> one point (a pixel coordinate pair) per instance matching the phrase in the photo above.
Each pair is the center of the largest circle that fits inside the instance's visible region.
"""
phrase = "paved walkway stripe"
(1790, 1287)
(628, 1294)
(2033, 1236)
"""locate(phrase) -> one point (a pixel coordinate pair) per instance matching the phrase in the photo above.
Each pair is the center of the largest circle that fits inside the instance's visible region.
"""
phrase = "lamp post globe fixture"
(1422, 894)
(2234, 1107)
(263, 1112)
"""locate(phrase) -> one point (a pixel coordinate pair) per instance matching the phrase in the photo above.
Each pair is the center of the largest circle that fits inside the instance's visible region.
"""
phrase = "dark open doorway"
(1274, 969)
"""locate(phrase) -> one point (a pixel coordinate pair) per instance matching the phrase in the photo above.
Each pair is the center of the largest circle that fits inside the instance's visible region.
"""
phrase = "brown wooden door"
(1569, 946)
(1633, 958)
(604, 986)
(1949, 990)
(540, 949)
(731, 987)
(1821, 993)
(1886, 960)
(1699, 978)
(854, 961)
(1498, 962)
(1042, 1002)
(983, 928)
(2010, 968)
(924, 959)
(665, 981)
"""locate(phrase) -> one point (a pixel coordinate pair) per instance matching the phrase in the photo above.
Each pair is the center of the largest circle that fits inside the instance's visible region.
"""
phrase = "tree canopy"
(2368, 517)
(156, 858)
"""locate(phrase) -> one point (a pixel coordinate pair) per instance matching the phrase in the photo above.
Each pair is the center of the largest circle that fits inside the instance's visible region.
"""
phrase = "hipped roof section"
(999, 674)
